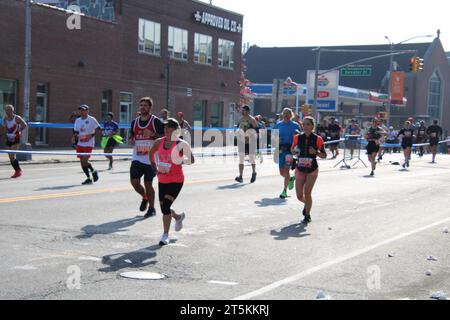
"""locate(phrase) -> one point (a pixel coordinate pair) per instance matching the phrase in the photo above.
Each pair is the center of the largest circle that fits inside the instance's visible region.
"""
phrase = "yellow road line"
(98, 191)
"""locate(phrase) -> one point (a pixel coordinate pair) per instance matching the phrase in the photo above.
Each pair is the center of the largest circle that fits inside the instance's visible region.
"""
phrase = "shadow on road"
(58, 187)
(135, 259)
(271, 202)
(232, 186)
(293, 231)
(109, 227)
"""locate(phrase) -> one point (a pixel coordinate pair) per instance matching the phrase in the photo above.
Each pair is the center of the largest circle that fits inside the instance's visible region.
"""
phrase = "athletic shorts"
(434, 142)
(12, 143)
(111, 143)
(246, 150)
(81, 149)
(372, 148)
(168, 189)
(282, 159)
(301, 176)
(407, 144)
(139, 169)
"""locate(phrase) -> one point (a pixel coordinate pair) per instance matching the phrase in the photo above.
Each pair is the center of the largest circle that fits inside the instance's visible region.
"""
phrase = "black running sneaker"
(239, 179)
(253, 179)
(151, 212)
(95, 175)
(87, 181)
(143, 206)
(372, 174)
(307, 219)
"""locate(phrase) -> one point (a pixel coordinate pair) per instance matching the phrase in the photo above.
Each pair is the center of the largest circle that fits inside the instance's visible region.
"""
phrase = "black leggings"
(168, 192)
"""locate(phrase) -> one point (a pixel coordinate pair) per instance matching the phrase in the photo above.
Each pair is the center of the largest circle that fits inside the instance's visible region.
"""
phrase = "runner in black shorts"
(407, 134)
(421, 137)
(145, 129)
(373, 137)
(434, 132)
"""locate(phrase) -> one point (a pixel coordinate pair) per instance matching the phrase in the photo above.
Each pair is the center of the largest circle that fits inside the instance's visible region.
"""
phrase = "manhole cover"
(140, 275)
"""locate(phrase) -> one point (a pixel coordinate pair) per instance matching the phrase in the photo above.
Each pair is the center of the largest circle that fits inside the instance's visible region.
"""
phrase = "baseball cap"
(180, 114)
(83, 107)
(171, 123)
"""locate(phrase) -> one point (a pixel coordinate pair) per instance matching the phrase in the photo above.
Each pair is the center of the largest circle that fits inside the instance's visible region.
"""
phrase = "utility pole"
(26, 77)
(316, 80)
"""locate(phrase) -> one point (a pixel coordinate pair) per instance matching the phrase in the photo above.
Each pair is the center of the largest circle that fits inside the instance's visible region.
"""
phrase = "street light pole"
(316, 79)
(26, 77)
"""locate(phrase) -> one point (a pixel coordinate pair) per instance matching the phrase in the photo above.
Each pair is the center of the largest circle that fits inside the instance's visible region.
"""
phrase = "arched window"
(434, 96)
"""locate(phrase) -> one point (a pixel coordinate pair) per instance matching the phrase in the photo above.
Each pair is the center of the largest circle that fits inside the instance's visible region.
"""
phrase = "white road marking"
(87, 258)
(225, 283)
(334, 262)
(26, 267)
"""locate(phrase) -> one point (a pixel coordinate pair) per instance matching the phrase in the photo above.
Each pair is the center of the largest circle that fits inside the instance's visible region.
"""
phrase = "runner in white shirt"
(85, 129)
(14, 125)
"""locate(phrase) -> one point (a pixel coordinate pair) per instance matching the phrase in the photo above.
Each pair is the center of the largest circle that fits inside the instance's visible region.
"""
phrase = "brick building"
(123, 51)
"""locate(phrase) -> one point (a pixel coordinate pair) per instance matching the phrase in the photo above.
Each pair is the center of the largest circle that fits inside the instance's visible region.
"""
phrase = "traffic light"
(416, 64)
(413, 65)
(419, 64)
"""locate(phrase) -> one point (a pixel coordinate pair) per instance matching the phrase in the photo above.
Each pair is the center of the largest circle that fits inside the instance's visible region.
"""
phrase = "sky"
(292, 23)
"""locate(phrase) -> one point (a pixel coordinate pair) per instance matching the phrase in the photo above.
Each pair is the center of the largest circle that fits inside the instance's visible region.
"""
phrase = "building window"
(203, 49)
(216, 114)
(178, 43)
(434, 96)
(226, 54)
(41, 113)
(106, 103)
(199, 114)
(7, 95)
(149, 37)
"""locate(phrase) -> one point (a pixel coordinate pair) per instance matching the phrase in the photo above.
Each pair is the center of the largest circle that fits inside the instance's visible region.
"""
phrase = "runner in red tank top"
(14, 125)
(168, 155)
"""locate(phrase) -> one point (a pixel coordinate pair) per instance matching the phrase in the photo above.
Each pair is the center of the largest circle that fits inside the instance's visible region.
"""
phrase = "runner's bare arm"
(153, 151)
(22, 124)
(187, 151)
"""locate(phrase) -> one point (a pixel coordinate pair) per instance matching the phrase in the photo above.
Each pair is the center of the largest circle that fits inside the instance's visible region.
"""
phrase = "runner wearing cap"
(421, 137)
(307, 146)
(14, 125)
(246, 136)
(335, 134)
(145, 129)
(84, 130)
(110, 137)
(373, 136)
(167, 156)
(185, 126)
(434, 132)
(287, 129)
(407, 135)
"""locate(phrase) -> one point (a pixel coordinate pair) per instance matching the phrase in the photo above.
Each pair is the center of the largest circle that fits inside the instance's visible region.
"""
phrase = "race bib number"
(163, 167)
(143, 147)
(408, 134)
(305, 162)
(85, 138)
(11, 137)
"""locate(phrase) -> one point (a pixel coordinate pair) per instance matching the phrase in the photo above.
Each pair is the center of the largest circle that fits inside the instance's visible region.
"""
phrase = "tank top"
(143, 142)
(307, 162)
(12, 130)
(169, 163)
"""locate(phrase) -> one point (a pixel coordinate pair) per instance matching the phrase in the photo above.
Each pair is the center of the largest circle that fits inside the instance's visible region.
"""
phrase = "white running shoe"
(179, 222)
(164, 240)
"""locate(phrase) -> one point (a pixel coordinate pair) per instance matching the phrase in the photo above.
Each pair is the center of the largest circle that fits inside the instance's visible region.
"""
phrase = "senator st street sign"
(356, 72)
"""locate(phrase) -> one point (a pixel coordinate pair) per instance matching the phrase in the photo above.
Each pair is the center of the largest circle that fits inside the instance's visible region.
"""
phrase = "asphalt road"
(370, 237)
